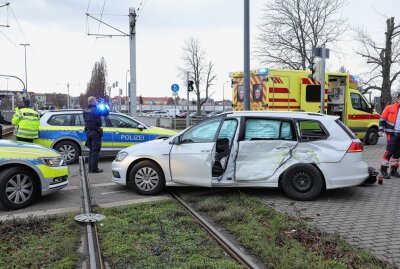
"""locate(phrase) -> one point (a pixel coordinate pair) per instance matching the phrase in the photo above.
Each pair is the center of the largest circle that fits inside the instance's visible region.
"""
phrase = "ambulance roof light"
(263, 71)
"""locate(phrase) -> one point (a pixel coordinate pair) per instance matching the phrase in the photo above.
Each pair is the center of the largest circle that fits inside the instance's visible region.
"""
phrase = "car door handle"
(205, 150)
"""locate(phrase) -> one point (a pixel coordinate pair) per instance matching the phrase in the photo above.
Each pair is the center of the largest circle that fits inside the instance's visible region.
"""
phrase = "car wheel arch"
(128, 171)
(69, 140)
(313, 164)
(33, 170)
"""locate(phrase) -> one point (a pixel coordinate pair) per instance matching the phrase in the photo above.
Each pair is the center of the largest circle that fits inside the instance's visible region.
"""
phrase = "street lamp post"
(223, 96)
(26, 73)
(126, 91)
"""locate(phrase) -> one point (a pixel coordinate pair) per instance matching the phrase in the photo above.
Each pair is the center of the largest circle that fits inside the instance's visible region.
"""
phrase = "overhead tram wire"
(141, 7)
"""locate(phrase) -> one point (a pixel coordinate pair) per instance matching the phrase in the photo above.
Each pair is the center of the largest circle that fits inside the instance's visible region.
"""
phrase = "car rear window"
(346, 129)
(311, 130)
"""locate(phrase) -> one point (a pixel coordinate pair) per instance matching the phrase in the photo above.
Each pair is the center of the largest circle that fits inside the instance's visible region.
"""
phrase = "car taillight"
(356, 147)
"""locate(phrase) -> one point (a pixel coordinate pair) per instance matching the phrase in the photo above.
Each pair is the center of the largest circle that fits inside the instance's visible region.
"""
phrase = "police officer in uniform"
(27, 122)
(94, 132)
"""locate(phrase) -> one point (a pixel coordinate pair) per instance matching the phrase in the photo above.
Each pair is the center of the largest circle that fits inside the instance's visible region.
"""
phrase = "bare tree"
(290, 28)
(384, 60)
(201, 71)
(97, 85)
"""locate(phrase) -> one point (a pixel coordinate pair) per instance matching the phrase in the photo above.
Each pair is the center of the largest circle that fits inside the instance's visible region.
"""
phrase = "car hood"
(161, 131)
(150, 148)
(23, 149)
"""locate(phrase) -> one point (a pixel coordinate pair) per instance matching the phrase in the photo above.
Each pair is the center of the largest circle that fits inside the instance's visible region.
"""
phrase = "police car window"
(60, 120)
(203, 132)
(265, 129)
(79, 121)
(119, 121)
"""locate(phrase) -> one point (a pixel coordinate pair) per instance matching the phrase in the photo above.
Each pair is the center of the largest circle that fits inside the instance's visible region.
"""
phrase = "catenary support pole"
(132, 48)
(323, 56)
(187, 100)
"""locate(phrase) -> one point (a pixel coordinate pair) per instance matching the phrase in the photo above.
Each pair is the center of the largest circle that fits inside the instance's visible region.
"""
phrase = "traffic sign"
(175, 87)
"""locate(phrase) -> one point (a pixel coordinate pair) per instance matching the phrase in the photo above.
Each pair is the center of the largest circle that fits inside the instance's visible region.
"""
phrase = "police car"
(27, 171)
(63, 130)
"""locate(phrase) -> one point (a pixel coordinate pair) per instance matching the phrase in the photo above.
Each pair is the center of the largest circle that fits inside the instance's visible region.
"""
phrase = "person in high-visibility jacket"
(390, 124)
(27, 122)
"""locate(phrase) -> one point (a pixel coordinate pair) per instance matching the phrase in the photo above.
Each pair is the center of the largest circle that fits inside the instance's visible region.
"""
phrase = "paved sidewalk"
(366, 216)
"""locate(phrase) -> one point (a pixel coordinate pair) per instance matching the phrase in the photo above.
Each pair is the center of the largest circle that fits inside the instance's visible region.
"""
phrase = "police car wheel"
(18, 187)
(69, 150)
(302, 182)
(146, 177)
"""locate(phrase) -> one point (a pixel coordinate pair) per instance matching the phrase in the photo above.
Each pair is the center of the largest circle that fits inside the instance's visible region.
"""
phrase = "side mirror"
(140, 127)
(176, 140)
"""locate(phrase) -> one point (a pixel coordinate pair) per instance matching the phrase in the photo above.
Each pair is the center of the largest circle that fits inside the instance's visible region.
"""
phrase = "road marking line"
(70, 188)
(135, 201)
(41, 213)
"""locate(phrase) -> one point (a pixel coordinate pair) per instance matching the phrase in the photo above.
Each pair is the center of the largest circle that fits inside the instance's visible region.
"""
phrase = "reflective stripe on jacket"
(27, 121)
(388, 118)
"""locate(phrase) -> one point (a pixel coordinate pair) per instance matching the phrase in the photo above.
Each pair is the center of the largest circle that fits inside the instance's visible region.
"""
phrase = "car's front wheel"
(371, 137)
(302, 182)
(69, 150)
(18, 187)
(147, 178)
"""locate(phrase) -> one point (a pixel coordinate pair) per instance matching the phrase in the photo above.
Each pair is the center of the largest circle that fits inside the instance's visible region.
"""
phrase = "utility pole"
(132, 47)
(246, 55)
(323, 54)
(26, 74)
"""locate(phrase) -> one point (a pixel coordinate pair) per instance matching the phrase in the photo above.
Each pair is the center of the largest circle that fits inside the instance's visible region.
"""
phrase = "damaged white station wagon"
(302, 153)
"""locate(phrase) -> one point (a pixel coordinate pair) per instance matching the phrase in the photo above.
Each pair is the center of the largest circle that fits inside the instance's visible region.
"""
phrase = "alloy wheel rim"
(146, 179)
(68, 152)
(19, 189)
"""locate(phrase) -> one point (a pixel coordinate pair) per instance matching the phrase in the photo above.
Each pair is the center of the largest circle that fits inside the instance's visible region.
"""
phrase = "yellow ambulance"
(274, 89)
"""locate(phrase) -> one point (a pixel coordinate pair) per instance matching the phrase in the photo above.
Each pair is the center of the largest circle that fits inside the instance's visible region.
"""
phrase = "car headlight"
(52, 161)
(121, 156)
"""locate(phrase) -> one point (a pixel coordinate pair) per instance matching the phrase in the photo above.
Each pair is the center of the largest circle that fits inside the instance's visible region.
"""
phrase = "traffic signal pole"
(323, 57)
(187, 100)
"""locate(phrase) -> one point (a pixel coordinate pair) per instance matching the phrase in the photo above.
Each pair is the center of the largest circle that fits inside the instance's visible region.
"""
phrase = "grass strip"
(279, 240)
(158, 235)
(49, 242)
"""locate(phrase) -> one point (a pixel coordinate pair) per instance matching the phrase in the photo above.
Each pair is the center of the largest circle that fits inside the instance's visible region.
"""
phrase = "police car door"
(191, 160)
(125, 131)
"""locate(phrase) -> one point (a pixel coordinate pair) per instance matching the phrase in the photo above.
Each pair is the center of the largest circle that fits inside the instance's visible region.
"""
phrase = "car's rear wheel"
(18, 187)
(147, 178)
(372, 136)
(69, 150)
(302, 182)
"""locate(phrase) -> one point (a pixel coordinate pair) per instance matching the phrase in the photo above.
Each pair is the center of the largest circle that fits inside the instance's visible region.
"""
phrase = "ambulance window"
(311, 130)
(357, 102)
(265, 129)
(313, 93)
(257, 93)
(60, 120)
(240, 93)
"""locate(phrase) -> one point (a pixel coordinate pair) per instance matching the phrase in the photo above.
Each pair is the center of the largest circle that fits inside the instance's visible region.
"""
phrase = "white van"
(172, 112)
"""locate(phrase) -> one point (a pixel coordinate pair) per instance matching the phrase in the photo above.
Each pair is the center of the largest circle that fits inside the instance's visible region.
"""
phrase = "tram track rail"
(224, 242)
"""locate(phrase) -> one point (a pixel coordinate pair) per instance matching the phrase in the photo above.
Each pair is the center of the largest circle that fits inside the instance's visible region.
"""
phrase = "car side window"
(267, 129)
(79, 121)
(119, 121)
(228, 129)
(311, 130)
(60, 120)
(203, 132)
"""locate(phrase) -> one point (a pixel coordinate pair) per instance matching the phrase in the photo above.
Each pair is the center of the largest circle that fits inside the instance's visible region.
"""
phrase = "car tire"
(18, 188)
(302, 182)
(147, 178)
(371, 137)
(69, 150)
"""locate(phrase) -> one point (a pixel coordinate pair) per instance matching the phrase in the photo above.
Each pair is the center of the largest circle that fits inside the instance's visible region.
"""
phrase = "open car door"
(192, 155)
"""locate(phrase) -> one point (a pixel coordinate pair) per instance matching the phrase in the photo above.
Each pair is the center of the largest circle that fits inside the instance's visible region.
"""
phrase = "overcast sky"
(60, 50)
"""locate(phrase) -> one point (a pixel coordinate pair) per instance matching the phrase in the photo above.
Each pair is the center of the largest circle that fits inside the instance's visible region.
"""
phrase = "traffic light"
(120, 91)
(316, 71)
(190, 85)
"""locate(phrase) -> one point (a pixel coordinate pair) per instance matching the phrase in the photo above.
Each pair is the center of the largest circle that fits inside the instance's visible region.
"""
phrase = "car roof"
(283, 114)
